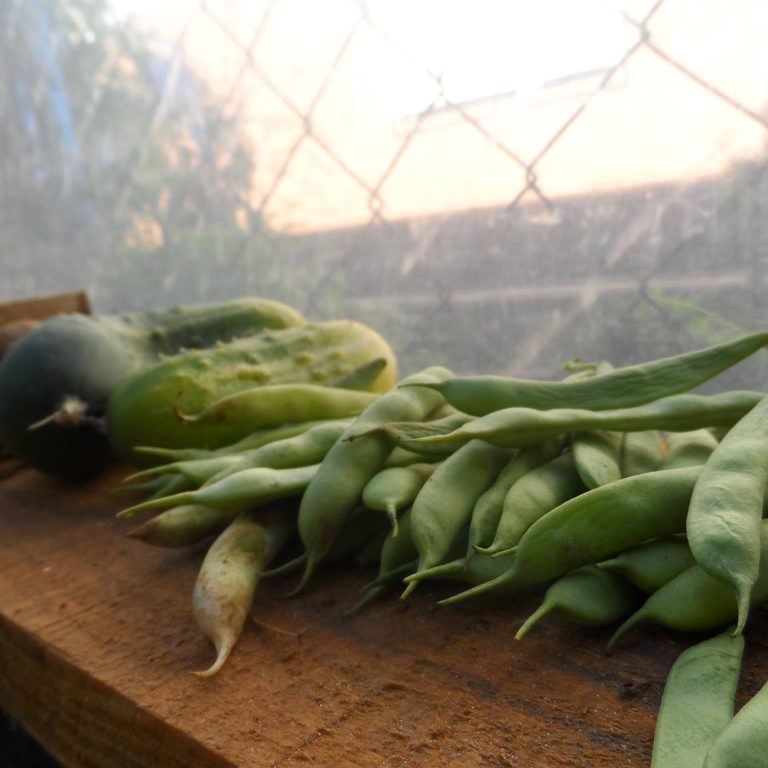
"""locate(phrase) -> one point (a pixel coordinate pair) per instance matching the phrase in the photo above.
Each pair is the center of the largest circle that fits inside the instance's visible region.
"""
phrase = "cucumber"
(55, 382)
(147, 409)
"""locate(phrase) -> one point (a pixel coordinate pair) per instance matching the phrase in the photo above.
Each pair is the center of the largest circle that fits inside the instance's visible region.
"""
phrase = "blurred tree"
(114, 157)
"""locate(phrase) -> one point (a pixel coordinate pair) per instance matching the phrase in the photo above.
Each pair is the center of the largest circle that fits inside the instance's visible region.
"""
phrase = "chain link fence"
(188, 154)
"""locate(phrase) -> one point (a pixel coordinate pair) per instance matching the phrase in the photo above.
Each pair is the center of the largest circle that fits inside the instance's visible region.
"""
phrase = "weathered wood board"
(97, 642)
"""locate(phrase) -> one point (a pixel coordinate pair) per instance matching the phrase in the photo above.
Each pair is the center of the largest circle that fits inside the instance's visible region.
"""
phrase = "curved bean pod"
(489, 507)
(588, 596)
(727, 507)
(640, 452)
(394, 489)
(228, 576)
(652, 565)
(237, 415)
(597, 457)
(534, 495)
(620, 388)
(405, 434)
(694, 601)
(184, 525)
(689, 449)
(251, 487)
(518, 427)
(596, 525)
(697, 703)
(444, 505)
(744, 741)
(308, 447)
(337, 487)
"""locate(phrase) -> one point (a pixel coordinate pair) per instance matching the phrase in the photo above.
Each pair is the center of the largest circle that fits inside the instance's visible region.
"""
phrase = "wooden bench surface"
(97, 641)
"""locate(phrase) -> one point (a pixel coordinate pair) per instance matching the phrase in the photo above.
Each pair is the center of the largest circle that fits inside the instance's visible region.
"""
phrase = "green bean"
(399, 558)
(727, 507)
(153, 485)
(697, 703)
(581, 370)
(694, 601)
(517, 427)
(362, 377)
(653, 564)
(228, 576)
(744, 740)
(597, 525)
(251, 487)
(689, 449)
(254, 440)
(172, 486)
(394, 488)
(537, 492)
(444, 505)
(640, 452)
(402, 458)
(475, 569)
(405, 434)
(308, 447)
(359, 528)
(588, 596)
(239, 414)
(597, 457)
(487, 511)
(338, 485)
(184, 525)
(196, 471)
(620, 388)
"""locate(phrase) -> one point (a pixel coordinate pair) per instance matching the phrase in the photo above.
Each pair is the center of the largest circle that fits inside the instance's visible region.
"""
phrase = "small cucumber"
(147, 409)
(55, 382)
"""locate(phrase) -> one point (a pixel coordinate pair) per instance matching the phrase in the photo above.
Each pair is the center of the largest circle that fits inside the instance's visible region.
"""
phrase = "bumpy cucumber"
(145, 409)
(58, 378)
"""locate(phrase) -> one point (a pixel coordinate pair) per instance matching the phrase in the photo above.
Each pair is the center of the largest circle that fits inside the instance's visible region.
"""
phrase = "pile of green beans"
(615, 493)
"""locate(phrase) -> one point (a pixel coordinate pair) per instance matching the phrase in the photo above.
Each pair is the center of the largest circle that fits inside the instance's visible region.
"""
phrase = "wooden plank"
(97, 642)
(43, 307)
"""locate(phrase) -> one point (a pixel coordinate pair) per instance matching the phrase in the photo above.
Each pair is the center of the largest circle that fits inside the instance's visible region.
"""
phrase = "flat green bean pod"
(362, 377)
(443, 507)
(489, 507)
(697, 704)
(640, 452)
(744, 741)
(688, 449)
(597, 457)
(337, 487)
(534, 495)
(239, 414)
(308, 447)
(653, 564)
(475, 569)
(394, 489)
(251, 487)
(405, 434)
(184, 525)
(727, 507)
(518, 427)
(588, 596)
(254, 440)
(695, 601)
(620, 388)
(596, 525)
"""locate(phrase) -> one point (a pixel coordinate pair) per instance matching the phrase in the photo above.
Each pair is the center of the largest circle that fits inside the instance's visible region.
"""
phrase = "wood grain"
(97, 641)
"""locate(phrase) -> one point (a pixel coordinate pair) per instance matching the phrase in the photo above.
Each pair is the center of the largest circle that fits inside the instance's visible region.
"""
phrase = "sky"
(480, 47)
